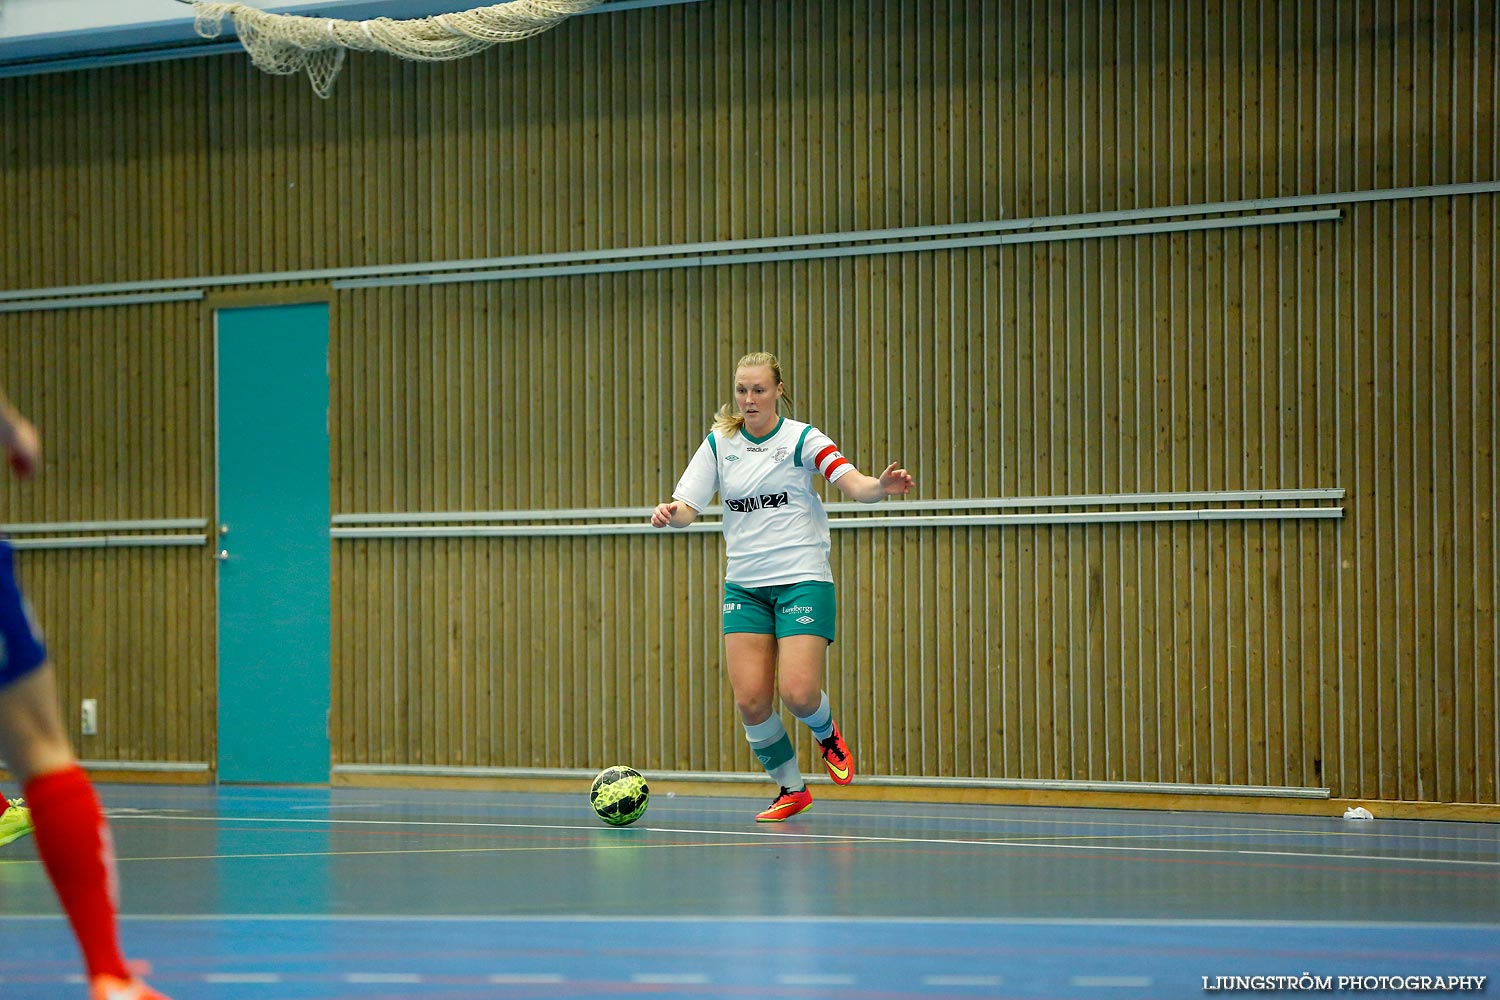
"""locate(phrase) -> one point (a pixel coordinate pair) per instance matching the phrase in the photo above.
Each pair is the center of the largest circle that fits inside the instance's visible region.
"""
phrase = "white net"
(289, 43)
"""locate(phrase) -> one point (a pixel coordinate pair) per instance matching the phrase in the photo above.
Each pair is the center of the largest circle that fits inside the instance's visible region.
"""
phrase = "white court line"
(1206, 828)
(382, 977)
(799, 979)
(1111, 981)
(394, 851)
(1195, 832)
(525, 978)
(1371, 857)
(241, 977)
(670, 978)
(1203, 829)
(715, 918)
(961, 980)
(830, 837)
(334, 806)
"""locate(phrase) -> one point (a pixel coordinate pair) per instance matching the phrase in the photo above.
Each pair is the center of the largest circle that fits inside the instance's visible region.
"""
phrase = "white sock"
(774, 749)
(821, 720)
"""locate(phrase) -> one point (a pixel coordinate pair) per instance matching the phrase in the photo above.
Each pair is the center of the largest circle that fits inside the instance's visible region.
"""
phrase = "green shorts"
(806, 608)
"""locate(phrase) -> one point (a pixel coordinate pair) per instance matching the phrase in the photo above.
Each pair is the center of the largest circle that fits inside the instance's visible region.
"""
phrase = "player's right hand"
(24, 450)
(662, 515)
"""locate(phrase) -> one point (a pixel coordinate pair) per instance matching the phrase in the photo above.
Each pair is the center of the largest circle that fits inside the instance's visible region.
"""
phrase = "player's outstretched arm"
(674, 513)
(23, 449)
(869, 489)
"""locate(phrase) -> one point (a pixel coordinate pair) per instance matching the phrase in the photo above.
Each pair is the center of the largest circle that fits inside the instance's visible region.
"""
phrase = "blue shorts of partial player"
(805, 608)
(21, 648)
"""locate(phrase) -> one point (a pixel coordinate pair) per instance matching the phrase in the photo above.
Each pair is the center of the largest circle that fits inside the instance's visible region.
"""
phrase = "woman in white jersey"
(779, 608)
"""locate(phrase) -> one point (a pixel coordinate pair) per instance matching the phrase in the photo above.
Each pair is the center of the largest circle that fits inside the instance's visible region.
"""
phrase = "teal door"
(273, 544)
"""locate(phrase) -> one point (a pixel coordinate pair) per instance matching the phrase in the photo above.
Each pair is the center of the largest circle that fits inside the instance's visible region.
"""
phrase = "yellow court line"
(1364, 831)
(440, 850)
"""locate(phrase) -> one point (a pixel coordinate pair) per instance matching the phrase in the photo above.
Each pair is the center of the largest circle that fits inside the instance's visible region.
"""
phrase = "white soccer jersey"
(775, 529)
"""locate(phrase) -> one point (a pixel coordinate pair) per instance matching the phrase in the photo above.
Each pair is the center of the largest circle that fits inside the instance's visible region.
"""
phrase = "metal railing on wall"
(122, 534)
(1287, 210)
(1293, 504)
(1138, 507)
(891, 781)
(107, 534)
(906, 239)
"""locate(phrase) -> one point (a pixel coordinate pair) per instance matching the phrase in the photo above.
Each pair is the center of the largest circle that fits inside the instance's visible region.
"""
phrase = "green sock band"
(775, 754)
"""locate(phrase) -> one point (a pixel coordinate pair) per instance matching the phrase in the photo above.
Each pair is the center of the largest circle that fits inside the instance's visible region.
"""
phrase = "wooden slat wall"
(1359, 654)
(122, 399)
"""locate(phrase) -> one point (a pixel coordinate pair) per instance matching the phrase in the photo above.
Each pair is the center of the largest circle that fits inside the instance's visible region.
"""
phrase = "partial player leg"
(834, 751)
(752, 675)
(802, 661)
(71, 833)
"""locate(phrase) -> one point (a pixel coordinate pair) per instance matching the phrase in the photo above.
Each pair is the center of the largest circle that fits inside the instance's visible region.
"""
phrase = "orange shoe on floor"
(110, 988)
(788, 803)
(837, 759)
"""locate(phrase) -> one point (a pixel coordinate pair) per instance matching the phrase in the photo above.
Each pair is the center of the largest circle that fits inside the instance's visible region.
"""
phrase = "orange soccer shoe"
(110, 988)
(788, 803)
(837, 759)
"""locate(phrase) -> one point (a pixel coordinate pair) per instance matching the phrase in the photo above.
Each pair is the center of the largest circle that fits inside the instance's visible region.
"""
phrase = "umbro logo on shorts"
(806, 620)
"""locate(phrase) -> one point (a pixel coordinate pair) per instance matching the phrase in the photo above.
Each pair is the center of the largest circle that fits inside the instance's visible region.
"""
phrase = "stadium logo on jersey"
(747, 504)
(781, 454)
(751, 447)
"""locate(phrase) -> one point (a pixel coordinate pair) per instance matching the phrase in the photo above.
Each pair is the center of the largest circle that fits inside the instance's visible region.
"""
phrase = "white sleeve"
(821, 455)
(697, 485)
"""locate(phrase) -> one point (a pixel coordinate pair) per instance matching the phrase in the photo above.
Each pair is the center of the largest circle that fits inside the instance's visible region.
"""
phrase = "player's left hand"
(24, 450)
(894, 480)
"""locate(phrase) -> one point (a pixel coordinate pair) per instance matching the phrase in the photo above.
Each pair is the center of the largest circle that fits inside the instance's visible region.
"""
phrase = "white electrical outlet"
(89, 717)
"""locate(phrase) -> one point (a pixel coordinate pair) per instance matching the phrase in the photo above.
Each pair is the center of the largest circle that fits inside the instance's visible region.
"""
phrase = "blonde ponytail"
(728, 423)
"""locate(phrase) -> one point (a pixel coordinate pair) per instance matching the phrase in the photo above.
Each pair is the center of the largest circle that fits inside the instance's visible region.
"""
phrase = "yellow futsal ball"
(619, 795)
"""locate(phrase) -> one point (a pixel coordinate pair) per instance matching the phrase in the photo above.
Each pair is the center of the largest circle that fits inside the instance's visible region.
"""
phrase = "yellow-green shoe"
(15, 822)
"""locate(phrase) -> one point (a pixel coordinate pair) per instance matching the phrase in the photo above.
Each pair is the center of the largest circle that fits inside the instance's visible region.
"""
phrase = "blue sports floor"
(241, 892)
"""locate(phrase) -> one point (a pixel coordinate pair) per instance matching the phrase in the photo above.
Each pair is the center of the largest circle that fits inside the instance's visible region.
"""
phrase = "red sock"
(4, 803)
(73, 840)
